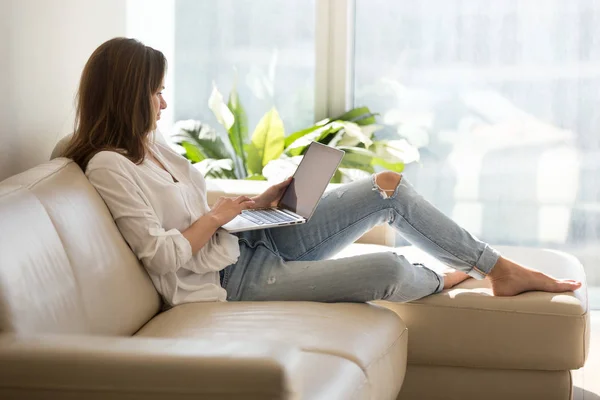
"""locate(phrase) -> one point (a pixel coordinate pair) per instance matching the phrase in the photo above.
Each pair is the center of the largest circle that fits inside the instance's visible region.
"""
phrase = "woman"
(159, 204)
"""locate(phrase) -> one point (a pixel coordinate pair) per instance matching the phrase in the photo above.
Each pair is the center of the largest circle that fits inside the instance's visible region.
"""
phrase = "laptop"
(300, 198)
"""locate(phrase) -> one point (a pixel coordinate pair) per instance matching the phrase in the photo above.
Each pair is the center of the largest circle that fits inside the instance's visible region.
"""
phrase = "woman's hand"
(271, 196)
(227, 208)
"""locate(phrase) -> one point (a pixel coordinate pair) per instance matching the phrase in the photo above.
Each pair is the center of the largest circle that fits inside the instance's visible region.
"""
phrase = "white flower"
(277, 170)
(398, 151)
(219, 108)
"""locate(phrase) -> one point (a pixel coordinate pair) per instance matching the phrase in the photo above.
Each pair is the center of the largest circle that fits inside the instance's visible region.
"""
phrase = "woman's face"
(159, 102)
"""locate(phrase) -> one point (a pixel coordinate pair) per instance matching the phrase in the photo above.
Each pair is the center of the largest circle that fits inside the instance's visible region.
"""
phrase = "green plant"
(246, 158)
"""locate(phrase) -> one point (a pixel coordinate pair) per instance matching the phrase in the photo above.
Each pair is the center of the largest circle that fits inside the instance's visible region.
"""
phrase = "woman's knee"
(387, 182)
(390, 267)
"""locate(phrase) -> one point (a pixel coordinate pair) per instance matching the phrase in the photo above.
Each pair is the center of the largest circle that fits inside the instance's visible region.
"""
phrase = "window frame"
(334, 57)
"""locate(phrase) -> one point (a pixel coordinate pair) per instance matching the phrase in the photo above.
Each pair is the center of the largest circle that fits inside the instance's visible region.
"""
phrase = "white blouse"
(151, 210)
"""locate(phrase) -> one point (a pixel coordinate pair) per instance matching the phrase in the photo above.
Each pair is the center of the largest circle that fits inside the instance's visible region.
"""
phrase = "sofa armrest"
(216, 188)
(92, 367)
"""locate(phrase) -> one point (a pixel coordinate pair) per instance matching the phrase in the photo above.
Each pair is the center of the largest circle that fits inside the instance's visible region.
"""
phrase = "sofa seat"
(357, 338)
(466, 327)
(80, 318)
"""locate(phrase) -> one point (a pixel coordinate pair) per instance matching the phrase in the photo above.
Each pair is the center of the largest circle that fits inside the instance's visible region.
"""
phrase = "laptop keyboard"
(263, 217)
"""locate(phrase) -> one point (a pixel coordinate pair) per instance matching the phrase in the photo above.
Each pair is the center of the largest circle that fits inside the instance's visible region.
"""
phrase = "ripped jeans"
(291, 263)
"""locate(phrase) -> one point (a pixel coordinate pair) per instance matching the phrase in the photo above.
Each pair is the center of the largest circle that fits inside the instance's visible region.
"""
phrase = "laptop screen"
(311, 178)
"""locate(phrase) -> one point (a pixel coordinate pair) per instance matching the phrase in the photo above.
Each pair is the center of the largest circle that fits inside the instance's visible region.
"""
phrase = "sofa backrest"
(64, 267)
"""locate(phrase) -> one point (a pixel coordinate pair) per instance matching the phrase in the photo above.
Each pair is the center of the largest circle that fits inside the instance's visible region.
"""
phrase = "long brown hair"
(114, 101)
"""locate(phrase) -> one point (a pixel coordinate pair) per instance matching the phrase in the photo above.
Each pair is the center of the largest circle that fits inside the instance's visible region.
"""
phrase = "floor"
(586, 380)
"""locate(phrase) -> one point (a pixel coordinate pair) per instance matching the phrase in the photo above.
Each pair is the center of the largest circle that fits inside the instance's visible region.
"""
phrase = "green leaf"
(220, 109)
(266, 143)
(358, 158)
(355, 122)
(298, 146)
(396, 167)
(337, 177)
(297, 135)
(328, 134)
(238, 133)
(192, 152)
(253, 160)
(256, 177)
(324, 134)
(204, 138)
(366, 160)
(353, 135)
(360, 115)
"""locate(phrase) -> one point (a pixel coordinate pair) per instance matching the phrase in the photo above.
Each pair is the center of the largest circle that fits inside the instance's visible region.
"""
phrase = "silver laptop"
(301, 197)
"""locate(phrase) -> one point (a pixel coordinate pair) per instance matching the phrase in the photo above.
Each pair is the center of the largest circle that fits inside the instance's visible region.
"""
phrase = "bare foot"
(453, 277)
(509, 278)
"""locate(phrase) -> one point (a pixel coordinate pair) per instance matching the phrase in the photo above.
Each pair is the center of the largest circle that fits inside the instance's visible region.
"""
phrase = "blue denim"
(292, 263)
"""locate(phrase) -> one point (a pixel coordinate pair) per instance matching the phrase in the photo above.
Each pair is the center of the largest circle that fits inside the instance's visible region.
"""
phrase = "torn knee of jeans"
(385, 193)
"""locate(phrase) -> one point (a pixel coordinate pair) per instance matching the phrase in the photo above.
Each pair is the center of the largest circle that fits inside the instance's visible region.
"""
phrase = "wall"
(7, 152)
(47, 43)
(153, 22)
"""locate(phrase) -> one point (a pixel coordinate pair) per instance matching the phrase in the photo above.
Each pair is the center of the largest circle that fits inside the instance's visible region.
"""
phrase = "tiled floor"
(587, 379)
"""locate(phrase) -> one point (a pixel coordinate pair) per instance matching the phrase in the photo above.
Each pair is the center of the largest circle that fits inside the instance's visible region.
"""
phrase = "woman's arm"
(223, 211)
(200, 232)
(163, 251)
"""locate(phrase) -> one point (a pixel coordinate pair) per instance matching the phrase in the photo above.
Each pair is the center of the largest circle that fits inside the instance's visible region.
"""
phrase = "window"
(500, 96)
(268, 47)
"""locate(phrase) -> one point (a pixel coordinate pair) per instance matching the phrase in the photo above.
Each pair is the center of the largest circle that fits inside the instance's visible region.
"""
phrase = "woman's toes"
(568, 285)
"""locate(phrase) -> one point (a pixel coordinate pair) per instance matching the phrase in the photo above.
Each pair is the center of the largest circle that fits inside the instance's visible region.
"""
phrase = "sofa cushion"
(469, 327)
(36, 280)
(371, 337)
(324, 376)
(64, 266)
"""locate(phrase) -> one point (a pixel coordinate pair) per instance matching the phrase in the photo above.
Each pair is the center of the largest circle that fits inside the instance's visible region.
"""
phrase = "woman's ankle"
(502, 267)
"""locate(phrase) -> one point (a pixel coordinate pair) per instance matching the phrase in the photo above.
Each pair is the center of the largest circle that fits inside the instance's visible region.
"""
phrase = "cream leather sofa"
(81, 320)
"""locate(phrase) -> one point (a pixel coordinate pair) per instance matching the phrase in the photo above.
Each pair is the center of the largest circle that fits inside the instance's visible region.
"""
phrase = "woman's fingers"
(242, 199)
(244, 202)
(287, 181)
(247, 204)
(240, 202)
